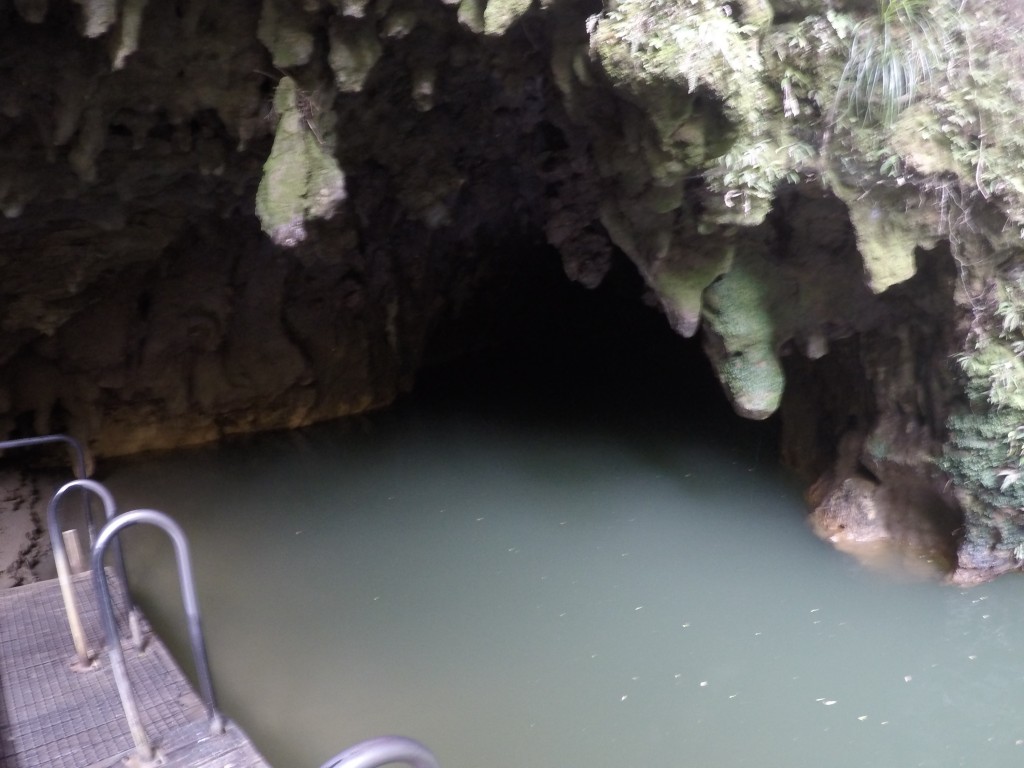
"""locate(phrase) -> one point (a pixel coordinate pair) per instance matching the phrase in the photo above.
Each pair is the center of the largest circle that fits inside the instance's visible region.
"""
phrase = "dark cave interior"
(569, 355)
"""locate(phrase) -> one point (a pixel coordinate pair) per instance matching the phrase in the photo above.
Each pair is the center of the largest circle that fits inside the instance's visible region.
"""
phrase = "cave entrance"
(569, 355)
(605, 595)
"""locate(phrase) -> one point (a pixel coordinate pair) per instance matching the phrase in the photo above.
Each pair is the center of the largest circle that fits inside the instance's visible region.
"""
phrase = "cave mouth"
(569, 356)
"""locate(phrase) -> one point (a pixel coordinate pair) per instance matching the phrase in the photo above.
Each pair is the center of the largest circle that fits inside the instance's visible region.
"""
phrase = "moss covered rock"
(301, 179)
(499, 15)
(741, 339)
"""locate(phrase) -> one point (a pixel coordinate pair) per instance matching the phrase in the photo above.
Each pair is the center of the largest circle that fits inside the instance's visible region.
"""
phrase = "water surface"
(551, 573)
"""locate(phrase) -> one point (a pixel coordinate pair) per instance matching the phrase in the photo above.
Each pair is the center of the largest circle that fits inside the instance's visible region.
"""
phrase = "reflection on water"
(900, 562)
(615, 584)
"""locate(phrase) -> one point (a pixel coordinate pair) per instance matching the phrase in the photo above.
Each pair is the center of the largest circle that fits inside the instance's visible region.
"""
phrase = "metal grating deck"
(53, 716)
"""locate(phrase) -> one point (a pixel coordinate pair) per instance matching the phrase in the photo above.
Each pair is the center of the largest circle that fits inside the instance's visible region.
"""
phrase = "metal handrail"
(78, 465)
(124, 689)
(60, 557)
(74, 448)
(384, 750)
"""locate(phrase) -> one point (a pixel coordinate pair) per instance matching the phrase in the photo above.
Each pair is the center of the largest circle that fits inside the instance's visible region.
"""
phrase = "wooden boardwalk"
(53, 716)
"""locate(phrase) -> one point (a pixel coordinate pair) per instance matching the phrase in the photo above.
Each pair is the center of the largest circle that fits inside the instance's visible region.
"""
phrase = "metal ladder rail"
(384, 750)
(75, 450)
(144, 747)
(86, 659)
(371, 753)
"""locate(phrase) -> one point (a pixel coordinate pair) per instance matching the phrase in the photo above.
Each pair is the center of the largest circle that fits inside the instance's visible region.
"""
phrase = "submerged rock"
(884, 509)
(849, 513)
(900, 525)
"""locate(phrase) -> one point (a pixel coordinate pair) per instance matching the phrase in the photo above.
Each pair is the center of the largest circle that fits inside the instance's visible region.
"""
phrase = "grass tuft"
(893, 56)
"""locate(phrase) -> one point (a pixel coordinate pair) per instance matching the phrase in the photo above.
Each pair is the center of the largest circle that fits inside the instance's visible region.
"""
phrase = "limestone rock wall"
(143, 307)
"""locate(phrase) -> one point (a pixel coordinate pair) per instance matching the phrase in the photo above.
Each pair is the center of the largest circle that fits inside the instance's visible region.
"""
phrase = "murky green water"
(602, 577)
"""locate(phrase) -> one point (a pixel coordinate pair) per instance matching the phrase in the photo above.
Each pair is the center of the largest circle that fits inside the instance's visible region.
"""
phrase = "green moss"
(471, 15)
(890, 224)
(301, 179)
(754, 380)
(499, 15)
(993, 364)
(286, 32)
(995, 376)
(982, 456)
(885, 244)
(984, 453)
(756, 13)
(738, 314)
(680, 286)
(700, 77)
(927, 98)
(354, 51)
(892, 57)
(918, 138)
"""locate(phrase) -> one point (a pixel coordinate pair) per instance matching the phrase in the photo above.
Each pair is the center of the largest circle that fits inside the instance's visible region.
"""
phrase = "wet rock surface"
(904, 521)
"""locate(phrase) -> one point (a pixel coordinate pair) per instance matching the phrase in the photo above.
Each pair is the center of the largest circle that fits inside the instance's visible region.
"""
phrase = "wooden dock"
(55, 717)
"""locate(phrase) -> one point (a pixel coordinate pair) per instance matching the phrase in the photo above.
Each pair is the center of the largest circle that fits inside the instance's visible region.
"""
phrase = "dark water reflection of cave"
(565, 551)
